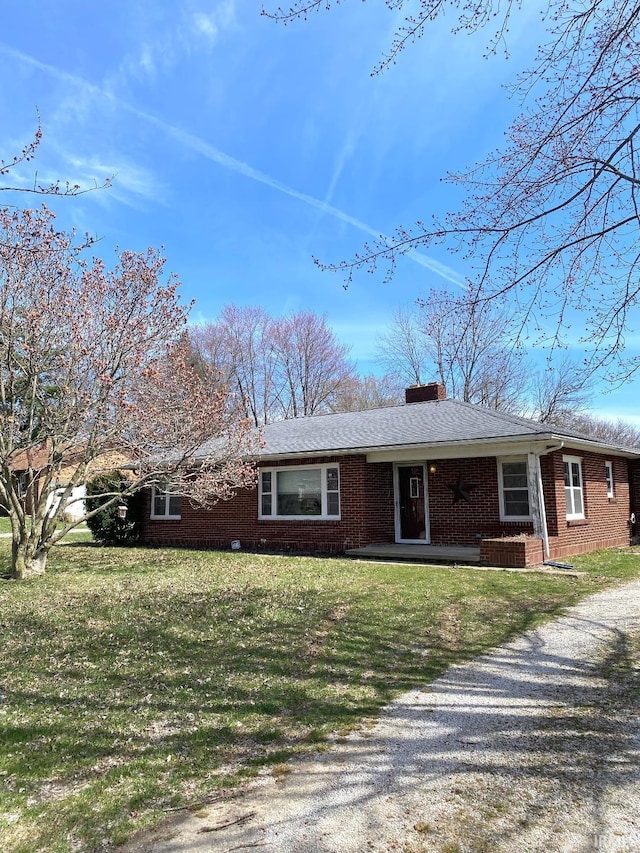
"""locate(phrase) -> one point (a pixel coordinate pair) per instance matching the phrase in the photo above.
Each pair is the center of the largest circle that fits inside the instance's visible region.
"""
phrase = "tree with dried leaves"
(367, 392)
(552, 219)
(94, 373)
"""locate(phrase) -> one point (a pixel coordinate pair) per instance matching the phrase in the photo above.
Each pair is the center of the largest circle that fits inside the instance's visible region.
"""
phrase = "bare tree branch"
(551, 219)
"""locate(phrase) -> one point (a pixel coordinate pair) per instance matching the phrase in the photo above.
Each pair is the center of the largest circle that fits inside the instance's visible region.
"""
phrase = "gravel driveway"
(534, 747)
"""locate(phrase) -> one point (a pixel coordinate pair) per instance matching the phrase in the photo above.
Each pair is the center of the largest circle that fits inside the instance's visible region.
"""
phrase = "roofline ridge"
(518, 419)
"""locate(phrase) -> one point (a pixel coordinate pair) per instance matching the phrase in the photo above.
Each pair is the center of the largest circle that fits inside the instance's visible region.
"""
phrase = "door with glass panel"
(411, 504)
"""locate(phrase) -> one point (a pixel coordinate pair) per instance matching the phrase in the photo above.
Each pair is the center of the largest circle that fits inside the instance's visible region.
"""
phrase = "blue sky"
(245, 147)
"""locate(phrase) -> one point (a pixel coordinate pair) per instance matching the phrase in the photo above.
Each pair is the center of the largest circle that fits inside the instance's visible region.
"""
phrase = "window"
(513, 480)
(608, 473)
(165, 504)
(573, 487)
(22, 485)
(300, 492)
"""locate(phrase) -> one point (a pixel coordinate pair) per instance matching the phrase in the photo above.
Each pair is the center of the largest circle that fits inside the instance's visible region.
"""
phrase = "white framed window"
(165, 504)
(573, 491)
(608, 474)
(513, 486)
(299, 492)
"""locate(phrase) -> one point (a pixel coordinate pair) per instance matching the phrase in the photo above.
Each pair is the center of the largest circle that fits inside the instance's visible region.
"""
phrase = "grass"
(80, 534)
(135, 681)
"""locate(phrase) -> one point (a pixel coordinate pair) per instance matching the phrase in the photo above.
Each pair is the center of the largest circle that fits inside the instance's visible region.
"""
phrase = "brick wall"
(606, 522)
(512, 551)
(366, 515)
(465, 523)
(367, 510)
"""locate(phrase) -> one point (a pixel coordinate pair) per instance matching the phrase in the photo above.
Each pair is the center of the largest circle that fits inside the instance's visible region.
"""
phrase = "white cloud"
(226, 161)
(147, 60)
(617, 411)
(205, 25)
(130, 183)
(161, 48)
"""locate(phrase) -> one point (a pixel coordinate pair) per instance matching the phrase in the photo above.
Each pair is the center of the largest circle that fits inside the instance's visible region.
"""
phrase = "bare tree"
(274, 368)
(560, 393)
(552, 219)
(402, 349)
(311, 363)
(618, 431)
(93, 370)
(464, 344)
(367, 392)
(239, 347)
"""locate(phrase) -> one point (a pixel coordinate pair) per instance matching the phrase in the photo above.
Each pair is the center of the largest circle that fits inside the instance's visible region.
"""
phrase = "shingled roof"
(433, 423)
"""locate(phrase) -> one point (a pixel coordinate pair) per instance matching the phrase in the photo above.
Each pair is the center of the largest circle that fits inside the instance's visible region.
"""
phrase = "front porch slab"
(417, 553)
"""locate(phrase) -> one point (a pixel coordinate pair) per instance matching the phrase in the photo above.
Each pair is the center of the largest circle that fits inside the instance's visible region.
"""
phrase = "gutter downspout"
(540, 490)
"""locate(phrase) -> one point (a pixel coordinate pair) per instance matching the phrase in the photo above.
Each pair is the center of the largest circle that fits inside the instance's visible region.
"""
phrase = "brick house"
(433, 477)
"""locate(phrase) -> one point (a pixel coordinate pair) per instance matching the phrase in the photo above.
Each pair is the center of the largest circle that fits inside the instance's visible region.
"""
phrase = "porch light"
(432, 468)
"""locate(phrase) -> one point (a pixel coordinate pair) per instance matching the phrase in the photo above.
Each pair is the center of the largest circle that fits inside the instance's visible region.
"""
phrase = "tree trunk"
(28, 558)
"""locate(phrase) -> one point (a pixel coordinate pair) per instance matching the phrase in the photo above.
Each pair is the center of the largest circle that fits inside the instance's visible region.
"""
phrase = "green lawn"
(79, 533)
(136, 680)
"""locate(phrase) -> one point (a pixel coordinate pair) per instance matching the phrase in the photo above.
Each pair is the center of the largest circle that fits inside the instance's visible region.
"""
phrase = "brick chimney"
(425, 393)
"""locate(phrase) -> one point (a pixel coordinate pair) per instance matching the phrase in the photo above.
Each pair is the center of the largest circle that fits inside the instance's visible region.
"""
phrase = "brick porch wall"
(512, 551)
(465, 523)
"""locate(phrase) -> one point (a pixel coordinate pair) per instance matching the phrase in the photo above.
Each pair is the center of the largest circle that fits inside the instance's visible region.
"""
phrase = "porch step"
(418, 553)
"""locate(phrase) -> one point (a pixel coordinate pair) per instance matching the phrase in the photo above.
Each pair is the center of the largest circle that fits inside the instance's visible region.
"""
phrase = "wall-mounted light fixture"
(432, 468)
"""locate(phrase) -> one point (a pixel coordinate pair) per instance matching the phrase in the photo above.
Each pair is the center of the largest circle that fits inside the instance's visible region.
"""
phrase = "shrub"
(105, 525)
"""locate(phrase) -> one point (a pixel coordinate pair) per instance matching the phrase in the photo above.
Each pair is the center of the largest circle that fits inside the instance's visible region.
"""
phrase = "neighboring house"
(433, 477)
(37, 461)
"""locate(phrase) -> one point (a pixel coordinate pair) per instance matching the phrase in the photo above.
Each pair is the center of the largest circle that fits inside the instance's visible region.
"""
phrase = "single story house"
(33, 466)
(433, 477)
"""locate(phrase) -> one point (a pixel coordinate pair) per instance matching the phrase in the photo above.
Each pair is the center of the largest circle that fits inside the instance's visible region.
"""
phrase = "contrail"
(210, 152)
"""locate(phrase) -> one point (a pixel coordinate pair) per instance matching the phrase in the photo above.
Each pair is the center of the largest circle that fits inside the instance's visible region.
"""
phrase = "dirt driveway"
(534, 747)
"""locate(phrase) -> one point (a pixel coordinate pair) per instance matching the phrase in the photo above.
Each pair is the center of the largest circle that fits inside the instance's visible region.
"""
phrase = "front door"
(411, 503)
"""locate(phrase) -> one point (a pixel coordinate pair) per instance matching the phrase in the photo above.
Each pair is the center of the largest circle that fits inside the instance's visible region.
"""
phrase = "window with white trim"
(165, 503)
(573, 492)
(513, 482)
(608, 473)
(304, 493)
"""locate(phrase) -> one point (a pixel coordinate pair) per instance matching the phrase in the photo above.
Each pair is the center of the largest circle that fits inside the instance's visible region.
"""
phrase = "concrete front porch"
(417, 553)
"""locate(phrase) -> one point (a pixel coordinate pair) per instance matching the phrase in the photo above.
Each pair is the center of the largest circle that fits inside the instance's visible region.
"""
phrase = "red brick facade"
(465, 523)
(367, 511)
(606, 522)
(366, 515)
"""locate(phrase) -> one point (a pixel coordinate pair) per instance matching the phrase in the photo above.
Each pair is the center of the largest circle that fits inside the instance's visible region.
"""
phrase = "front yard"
(136, 681)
